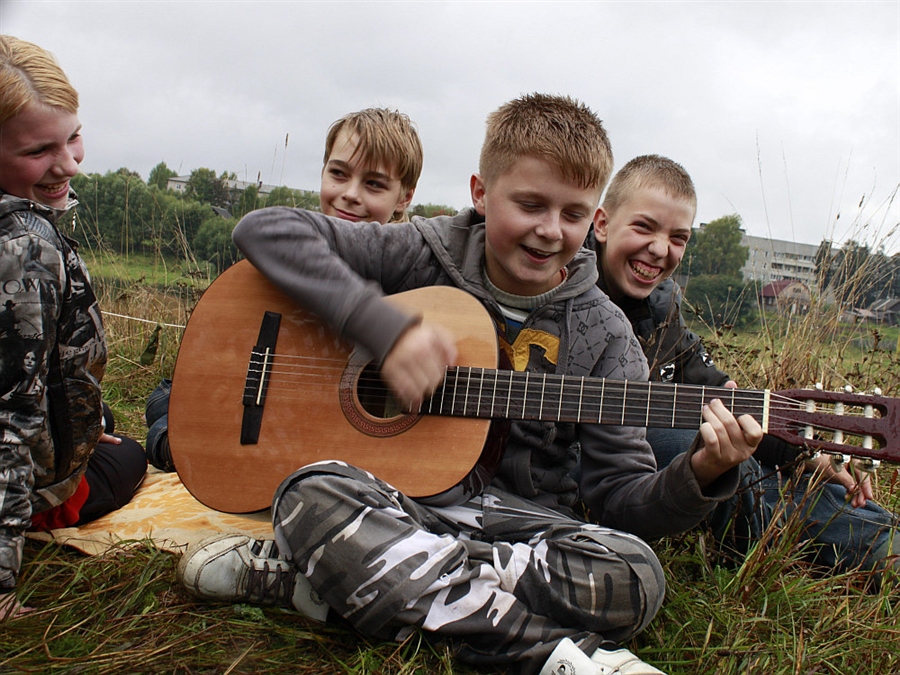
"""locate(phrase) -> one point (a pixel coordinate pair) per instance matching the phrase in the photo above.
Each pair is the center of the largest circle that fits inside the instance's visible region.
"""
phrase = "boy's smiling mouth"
(52, 188)
(538, 254)
(644, 271)
(346, 215)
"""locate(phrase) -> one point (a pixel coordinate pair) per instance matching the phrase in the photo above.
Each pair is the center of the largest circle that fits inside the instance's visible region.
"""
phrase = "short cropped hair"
(30, 74)
(556, 129)
(649, 171)
(386, 137)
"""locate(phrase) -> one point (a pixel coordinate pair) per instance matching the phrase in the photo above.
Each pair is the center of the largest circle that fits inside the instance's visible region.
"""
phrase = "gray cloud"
(787, 113)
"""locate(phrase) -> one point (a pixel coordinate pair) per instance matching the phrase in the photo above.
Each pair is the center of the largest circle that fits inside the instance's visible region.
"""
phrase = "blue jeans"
(157, 416)
(842, 537)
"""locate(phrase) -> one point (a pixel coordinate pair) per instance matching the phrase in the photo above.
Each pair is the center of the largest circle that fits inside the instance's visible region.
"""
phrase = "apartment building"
(776, 260)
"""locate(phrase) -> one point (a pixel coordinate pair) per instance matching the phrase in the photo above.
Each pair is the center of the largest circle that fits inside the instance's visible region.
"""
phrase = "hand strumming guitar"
(726, 442)
(416, 364)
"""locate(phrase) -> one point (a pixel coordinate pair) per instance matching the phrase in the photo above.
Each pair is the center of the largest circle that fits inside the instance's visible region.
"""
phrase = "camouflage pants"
(501, 578)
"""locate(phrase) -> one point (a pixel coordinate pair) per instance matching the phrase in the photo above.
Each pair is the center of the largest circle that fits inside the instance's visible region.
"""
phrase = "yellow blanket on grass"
(163, 511)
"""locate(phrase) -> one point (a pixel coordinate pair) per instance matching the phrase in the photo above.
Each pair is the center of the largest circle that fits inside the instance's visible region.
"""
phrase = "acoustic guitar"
(261, 388)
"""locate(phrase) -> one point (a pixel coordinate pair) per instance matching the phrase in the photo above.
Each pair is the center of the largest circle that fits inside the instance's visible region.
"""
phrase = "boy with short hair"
(639, 235)
(373, 159)
(512, 577)
(372, 163)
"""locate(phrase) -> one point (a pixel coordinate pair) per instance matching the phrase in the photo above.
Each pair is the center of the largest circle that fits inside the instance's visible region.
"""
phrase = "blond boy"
(372, 163)
(513, 577)
(373, 159)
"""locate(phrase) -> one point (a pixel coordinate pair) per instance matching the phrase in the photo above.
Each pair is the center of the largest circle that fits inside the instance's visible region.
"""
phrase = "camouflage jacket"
(52, 358)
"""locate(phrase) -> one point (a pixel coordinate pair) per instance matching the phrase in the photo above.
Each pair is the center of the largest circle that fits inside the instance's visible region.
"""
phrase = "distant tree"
(160, 175)
(188, 218)
(432, 210)
(894, 267)
(722, 300)
(301, 199)
(851, 274)
(213, 242)
(824, 264)
(116, 209)
(246, 200)
(204, 186)
(855, 276)
(716, 249)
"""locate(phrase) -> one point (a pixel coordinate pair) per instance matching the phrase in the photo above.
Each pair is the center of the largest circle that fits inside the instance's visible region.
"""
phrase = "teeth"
(540, 253)
(645, 271)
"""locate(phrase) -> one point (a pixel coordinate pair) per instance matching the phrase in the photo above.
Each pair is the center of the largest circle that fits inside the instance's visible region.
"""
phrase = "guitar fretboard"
(505, 394)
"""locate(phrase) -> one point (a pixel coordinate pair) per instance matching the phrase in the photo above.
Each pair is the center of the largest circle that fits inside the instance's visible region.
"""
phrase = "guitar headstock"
(859, 425)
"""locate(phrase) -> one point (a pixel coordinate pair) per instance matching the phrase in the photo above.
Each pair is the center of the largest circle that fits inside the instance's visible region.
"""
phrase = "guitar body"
(312, 403)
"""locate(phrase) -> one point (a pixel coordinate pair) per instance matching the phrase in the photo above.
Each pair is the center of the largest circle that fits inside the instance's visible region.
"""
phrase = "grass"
(769, 613)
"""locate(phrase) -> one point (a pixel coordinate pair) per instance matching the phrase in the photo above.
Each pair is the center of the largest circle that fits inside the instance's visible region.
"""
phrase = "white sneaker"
(236, 568)
(568, 659)
(622, 662)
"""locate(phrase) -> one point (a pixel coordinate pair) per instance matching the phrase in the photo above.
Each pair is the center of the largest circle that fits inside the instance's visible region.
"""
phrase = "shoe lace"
(268, 585)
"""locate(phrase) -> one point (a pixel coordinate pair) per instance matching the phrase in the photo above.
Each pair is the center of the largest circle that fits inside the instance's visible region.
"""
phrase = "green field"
(771, 613)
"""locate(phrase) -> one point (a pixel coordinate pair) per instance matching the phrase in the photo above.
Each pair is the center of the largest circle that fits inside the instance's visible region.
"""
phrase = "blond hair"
(649, 171)
(557, 129)
(28, 75)
(386, 138)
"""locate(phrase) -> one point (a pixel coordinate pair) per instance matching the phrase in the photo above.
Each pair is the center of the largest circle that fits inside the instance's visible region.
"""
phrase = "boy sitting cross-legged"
(640, 235)
(513, 577)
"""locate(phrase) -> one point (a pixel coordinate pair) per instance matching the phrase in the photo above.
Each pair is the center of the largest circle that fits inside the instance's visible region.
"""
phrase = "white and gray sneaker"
(568, 659)
(236, 568)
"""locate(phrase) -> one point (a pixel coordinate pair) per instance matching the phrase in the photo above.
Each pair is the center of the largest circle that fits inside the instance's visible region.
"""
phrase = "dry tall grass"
(772, 613)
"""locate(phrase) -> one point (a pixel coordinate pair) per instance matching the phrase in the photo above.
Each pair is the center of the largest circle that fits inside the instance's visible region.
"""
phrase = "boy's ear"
(405, 201)
(600, 225)
(476, 187)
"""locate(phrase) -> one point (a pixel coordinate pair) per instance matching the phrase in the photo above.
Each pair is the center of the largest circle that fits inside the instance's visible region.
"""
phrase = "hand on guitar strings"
(417, 362)
(725, 442)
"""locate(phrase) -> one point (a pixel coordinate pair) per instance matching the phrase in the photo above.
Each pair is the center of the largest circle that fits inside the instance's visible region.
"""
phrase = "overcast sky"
(787, 113)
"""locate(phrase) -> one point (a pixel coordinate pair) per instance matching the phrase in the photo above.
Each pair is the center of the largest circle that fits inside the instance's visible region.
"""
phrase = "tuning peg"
(839, 461)
(868, 465)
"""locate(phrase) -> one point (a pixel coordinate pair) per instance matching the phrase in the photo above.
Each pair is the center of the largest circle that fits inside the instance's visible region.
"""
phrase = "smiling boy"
(513, 577)
(373, 159)
(60, 465)
(42, 148)
(640, 234)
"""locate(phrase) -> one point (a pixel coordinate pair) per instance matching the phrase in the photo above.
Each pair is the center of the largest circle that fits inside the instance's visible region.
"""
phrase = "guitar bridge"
(258, 374)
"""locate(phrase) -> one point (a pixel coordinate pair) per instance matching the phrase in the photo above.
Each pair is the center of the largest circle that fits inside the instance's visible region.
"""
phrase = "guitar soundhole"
(374, 396)
(369, 405)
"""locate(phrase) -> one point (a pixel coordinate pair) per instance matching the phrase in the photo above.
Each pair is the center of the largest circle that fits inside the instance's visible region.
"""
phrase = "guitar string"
(776, 422)
(329, 367)
(693, 395)
(688, 392)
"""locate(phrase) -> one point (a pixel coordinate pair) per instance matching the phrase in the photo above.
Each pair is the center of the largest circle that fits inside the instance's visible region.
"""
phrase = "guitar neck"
(505, 394)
